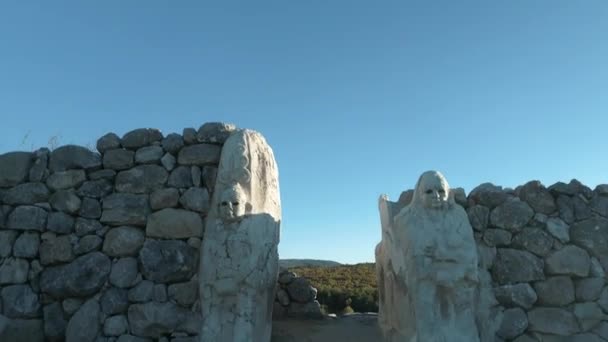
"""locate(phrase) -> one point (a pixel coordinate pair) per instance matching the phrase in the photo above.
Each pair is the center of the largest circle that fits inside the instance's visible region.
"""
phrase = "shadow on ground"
(352, 328)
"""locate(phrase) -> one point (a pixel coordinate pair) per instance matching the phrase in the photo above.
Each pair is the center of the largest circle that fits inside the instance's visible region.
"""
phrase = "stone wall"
(105, 246)
(295, 298)
(547, 251)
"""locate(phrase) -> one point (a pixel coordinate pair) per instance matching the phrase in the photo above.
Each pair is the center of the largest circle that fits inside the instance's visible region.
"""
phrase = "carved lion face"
(434, 190)
(232, 204)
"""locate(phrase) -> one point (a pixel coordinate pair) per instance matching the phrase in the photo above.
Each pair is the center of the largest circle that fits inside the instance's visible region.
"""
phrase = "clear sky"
(357, 98)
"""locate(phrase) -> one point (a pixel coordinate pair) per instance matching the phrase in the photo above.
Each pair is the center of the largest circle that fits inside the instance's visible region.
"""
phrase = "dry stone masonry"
(105, 246)
(546, 249)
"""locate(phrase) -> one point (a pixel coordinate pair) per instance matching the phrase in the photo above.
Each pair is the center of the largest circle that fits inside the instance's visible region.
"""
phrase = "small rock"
(534, 240)
(497, 237)
(7, 238)
(538, 197)
(168, 161)
(141, 179)
(174, 224)
(515, 266)
(90, 208)
(552, 321)
(180, 177)
(160, 293)
(184, 294)
(54, 322)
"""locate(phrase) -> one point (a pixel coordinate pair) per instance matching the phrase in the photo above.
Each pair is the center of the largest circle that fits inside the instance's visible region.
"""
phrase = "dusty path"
(351, 328)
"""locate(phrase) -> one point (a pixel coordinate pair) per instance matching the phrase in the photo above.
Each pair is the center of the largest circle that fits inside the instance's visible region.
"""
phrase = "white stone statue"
(239, 257)
(427, 268)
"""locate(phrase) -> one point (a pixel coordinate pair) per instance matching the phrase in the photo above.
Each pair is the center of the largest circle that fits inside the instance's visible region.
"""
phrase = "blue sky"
(356, 99)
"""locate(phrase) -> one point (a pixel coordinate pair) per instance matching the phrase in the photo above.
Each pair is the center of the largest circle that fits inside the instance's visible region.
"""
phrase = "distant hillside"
(344, 288)
(291, 263)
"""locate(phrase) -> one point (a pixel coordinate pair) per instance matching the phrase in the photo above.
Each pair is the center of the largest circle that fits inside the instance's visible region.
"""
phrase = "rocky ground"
(353, 328)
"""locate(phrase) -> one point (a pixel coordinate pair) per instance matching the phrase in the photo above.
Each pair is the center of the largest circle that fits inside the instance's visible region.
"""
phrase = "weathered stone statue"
(239, 258)
(427, 267)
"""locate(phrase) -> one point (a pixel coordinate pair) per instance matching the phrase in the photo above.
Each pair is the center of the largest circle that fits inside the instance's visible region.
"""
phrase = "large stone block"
(522, 295)
(196, 199)
(214, 132)
(26, 193)
(27, 217)
(149, 155)
(141, 179)
(13, 271)
(84, 324)
(56, 250)
(488, 195)
(514, 323)
(15, 168)
(123, 241)
(125, 209)
(84, 276)
(174, 224)
(180, 177)
(172, 143)
(124, 272)
(20, 301)
(534, 240)
(200, 154)
(21, 330)
(168, 261)
(107, 142)
(118, 159)
(512, 215)
(538, 197)
(592, 235)
(555, 291)
(140, 137)
(66, 201)
(478, 216)
(552, 321)
(73, 157)
(95, 188)
(515, 266)
(570, 260)
(66, 179)
(54, 322)
(155, 319)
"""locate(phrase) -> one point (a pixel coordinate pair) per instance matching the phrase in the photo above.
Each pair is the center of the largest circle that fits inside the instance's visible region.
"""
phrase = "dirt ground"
(351, 328)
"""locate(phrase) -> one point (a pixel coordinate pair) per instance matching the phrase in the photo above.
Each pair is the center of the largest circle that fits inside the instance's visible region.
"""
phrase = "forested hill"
(291, 263)
(344, 288)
